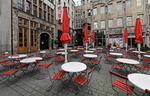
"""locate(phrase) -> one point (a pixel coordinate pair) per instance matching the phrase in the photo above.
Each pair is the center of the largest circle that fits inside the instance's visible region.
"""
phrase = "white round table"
(111, 50)
(87, 51)
(127, 61)
(74, 50)
(142, 81)
(17, 56)
(147, 56)
(141, 52)
(116, 54)
(60, 49)
(74, 67)
(90, 55)
(42, 52)
(30, 60)
(100, 48)
(60, 53)
(93, 49)
(80, 48)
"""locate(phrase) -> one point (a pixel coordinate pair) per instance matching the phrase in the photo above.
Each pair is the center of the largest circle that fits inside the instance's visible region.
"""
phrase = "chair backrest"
(118, 75)
(90, 73)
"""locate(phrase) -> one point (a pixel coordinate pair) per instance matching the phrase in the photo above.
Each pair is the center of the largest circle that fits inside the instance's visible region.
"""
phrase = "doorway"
(44, 41)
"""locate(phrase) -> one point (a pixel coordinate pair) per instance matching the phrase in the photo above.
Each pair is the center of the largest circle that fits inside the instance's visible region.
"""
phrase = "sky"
(77, 1)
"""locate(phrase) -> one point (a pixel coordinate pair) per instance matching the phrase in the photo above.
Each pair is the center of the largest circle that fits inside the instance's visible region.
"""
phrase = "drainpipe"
(12, 27)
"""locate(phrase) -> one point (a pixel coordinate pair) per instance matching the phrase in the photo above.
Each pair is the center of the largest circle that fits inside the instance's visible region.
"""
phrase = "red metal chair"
(59, 59)
(9, 74)
(83, 78)
(58, 76)
(123, 86)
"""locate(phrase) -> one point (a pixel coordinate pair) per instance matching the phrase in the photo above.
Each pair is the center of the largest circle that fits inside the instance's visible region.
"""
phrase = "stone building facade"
(33, 24)
(110, 17)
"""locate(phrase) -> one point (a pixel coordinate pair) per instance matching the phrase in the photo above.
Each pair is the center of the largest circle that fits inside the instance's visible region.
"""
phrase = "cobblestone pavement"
(32, 84)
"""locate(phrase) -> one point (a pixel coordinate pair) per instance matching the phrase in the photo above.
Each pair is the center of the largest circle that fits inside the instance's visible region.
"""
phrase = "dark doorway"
(100, 38)
(59, 41)
(44, 41)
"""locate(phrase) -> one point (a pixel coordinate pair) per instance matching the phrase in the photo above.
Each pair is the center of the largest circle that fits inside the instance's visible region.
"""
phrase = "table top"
(146, 55)
(128, 61)
(17, 56)
(73, 50)
(80, 48)
(90, 55)
(62, 53)
(74, 67)
(117, 54)
(99, 48)
(61, 49)
(30, 59)
(111, 50)
(93, 49)
(87, 51)
(42, 52)
(142, 81)
(139, 52)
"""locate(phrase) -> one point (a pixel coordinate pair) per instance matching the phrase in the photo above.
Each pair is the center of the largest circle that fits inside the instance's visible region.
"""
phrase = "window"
(110, 23)
(148, 1)
(28, 7)
(102, 10)
(139, 2)
(129, 21)
(94, 11)
(59, 1)
(20, 4)
(119, 7)
(128, 4)
(109, 9)
(141, 18)
(40, 13)
(35, 10)
(102, 24)
(119, 22)
(95, 25)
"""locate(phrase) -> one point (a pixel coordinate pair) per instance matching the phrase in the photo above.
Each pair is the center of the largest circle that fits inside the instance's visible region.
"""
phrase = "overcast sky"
(77, 1)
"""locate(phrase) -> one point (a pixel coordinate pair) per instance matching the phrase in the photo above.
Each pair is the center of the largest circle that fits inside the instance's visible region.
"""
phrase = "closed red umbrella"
(138, 35)
(138, 32)
(93, 36)
(126, 35)
(86, 37)
(65, 38)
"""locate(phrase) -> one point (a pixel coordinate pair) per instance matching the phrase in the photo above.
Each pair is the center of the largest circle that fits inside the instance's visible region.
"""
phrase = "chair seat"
(126, 88)
(10, 72)
(59, 75)
(81, 80)
(44, 65)
(118, 67)
(95, 62)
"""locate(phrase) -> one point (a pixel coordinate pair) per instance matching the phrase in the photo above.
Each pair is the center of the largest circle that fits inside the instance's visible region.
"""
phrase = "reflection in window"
(20, 4)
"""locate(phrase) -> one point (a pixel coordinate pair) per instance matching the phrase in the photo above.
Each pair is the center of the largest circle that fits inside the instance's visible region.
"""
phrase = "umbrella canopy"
(65, 37)
(86, 37)
(93, 36)
(138, 32)
(126, 35)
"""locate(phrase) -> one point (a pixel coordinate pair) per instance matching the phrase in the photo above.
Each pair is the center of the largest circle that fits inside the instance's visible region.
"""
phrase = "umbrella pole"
(93, 44)
(86, 45)
(65, 45)
(139, 55)
(126, 45)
